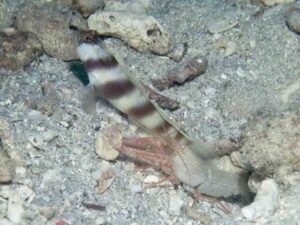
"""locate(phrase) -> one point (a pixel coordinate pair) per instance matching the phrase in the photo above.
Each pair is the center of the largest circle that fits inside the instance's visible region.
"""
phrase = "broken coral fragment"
(142, 32)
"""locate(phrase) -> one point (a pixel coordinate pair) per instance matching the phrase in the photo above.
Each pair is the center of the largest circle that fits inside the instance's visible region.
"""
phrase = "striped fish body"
(112, 82)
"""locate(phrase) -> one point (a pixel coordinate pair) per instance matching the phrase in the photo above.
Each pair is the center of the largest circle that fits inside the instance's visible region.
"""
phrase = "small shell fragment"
(229, 46)
(106, 179)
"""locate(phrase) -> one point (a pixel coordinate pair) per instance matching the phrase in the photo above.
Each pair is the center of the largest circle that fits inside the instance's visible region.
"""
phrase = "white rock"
(25, 193)
(64, 124)
(142, 32)
(136, 186)
(99, 221)
(265, 202)
(175, 203)
(223, 76)
(15, 210)
(21, 172)
(150, 179)
(5, 222)
(3, 207)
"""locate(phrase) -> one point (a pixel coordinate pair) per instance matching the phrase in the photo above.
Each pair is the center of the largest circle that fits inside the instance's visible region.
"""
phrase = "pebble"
(175, 203)
(18, 50)
(223, 76)
(99, 221)
(105, 141)
(21, 172)
(178, 52)
(64, 124)
(293, 20)
(265, 202)
(142, 32)
(188, 70)
(222, 25)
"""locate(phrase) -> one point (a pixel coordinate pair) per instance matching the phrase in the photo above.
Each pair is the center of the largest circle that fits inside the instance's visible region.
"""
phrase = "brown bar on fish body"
(191, 161)
(112, 83)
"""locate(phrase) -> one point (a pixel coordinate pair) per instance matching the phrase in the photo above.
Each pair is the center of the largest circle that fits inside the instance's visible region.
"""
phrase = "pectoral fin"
(89, 99)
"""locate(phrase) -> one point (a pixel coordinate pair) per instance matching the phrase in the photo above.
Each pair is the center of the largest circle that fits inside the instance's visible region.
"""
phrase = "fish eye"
(90, 37)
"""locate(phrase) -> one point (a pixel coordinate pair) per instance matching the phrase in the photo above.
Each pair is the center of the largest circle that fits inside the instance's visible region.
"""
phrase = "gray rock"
(178, 52)
(86, 7)
(52, 27)
(6, 14)
(272, 146)
(293, 20)
(18, 50)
